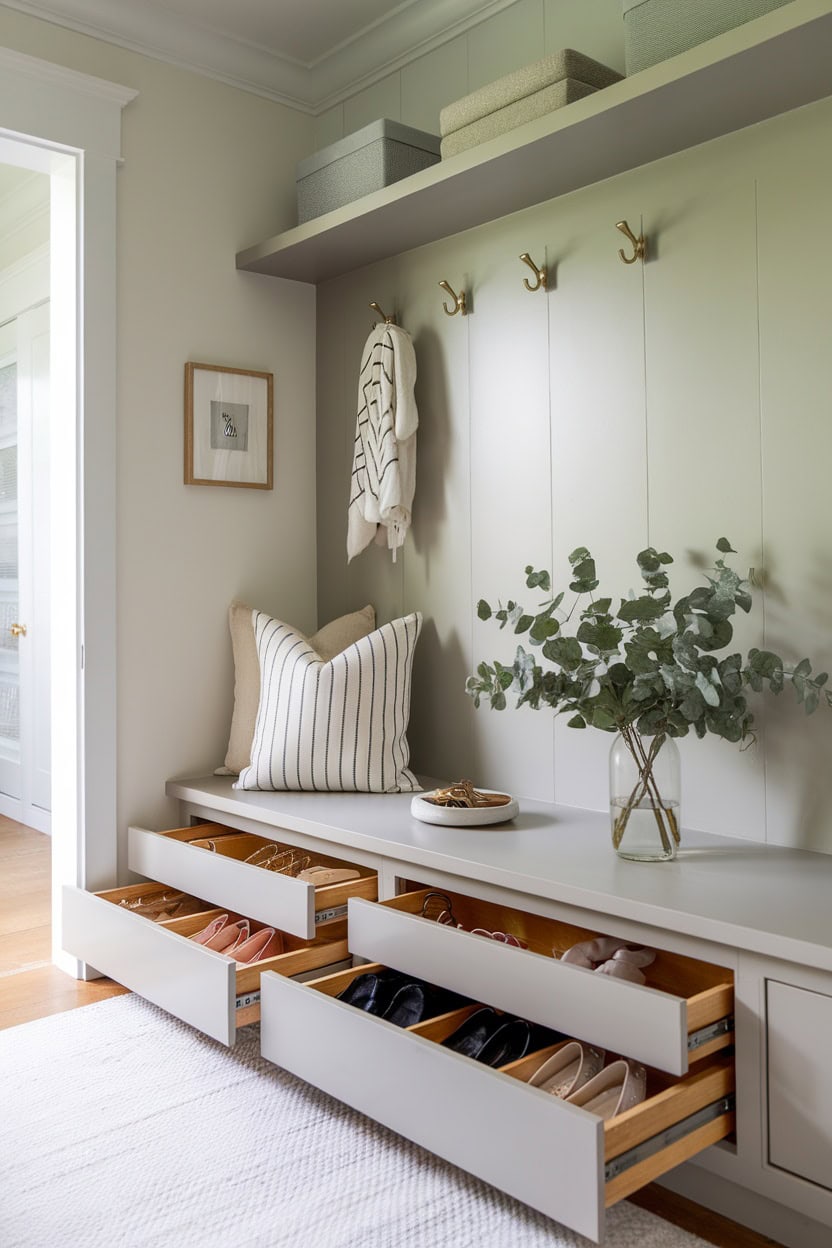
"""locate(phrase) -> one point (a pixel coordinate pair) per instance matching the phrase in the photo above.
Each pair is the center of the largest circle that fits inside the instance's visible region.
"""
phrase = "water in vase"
(648, 829)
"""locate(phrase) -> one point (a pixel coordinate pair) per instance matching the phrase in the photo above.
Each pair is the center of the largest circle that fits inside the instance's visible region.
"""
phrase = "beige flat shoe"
(568, 1069)
(619, 1086)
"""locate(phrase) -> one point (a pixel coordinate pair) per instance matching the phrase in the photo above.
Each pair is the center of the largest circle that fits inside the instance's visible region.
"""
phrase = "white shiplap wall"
(672, 402)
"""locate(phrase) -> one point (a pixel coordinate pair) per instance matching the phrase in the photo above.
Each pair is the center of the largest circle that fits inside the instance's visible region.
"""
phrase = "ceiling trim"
(382, 47)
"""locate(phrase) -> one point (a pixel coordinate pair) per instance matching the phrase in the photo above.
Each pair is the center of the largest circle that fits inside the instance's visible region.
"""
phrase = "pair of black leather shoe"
(398, 998)
(497, 1039)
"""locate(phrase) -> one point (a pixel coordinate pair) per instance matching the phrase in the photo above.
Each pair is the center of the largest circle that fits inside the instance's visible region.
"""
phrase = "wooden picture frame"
(229, 427)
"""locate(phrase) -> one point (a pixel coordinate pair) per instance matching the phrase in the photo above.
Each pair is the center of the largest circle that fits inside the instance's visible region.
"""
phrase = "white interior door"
(25, 782)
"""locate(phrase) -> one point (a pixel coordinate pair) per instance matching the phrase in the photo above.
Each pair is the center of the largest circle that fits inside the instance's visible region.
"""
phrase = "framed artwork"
(229, 427)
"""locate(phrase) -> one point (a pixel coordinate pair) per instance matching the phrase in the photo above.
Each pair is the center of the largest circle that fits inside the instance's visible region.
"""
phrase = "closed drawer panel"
(553, 1156)
(685, 1008)
(225, 877)
(159, 961)
(799, 1026)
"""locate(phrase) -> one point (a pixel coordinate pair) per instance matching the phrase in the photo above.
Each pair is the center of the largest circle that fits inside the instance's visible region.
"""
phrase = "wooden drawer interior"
(298, 957)
(678, 1119)
(231, 843)
(708, 989)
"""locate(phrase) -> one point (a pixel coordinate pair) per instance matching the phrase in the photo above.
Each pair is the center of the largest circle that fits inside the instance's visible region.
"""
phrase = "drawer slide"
(657, 1143)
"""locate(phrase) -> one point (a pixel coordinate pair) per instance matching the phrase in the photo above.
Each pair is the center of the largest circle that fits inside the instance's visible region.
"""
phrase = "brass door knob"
(18, 630)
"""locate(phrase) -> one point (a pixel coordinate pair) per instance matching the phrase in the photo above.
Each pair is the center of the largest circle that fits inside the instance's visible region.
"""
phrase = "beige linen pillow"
(328, 641)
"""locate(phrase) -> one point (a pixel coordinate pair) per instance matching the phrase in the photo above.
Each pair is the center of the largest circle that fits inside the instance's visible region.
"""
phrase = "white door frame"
(68, 125)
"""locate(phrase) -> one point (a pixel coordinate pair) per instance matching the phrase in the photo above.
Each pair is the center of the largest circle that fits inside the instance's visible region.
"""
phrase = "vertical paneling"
(329, 126)
(703, 437)
(382, 99)
(335, 426)
(595, 29)
(437, 558)
(372, 575)
(507, 41)
(629, 404)
(433, 81)
(598, 461)
(795, 208)
(510, 481)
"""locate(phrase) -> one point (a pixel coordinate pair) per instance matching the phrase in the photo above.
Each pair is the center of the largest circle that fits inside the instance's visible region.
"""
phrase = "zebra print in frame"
(339, 726)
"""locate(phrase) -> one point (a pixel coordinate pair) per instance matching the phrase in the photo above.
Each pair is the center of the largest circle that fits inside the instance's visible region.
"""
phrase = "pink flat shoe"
(267, 943)
(626, 963)
(230, 937)
(609, 956)
(589, 953)
(618, 1087)
(209, 932)
(569, 1069)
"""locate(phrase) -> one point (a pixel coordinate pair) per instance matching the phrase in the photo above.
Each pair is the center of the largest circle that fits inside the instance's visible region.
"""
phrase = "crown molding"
(389, 43)
(47, 71)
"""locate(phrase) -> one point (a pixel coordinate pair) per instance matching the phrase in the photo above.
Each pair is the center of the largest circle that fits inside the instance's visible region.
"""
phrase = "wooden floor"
(31, 987)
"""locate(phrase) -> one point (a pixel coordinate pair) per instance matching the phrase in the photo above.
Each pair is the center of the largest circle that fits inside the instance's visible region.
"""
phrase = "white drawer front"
(541, 1151)
(189, 981)
(639, 1022)
(262, 895)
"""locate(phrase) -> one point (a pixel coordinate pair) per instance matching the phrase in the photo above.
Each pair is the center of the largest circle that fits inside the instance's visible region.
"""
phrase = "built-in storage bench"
(733, 1022)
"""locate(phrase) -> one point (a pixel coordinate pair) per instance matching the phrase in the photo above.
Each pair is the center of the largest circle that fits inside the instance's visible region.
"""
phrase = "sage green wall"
(513, 37)
(668, 403)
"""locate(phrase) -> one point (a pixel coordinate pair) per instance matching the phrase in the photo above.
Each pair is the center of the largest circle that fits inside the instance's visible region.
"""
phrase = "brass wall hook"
(542, 275)
(460, 302)
(388, 320)
(639, 244)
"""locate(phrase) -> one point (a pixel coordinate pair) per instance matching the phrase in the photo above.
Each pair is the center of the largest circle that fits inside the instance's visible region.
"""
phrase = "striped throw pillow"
(338, 726)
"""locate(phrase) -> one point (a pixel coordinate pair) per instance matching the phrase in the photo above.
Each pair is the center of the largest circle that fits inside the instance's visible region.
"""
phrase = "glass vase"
(645, 789)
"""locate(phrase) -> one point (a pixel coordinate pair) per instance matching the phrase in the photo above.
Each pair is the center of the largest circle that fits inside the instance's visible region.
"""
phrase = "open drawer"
(159, 961)
(683, 1012)
(557, 1158)
(290, 904)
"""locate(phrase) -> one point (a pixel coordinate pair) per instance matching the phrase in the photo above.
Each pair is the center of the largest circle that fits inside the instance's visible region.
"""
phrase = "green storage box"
(657, 29)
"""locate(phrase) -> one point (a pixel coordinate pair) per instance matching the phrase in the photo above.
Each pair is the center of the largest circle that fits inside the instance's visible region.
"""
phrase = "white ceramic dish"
(462, 816)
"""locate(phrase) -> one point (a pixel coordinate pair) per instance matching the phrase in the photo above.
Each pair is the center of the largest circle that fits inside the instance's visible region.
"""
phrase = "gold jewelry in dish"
(463, 793)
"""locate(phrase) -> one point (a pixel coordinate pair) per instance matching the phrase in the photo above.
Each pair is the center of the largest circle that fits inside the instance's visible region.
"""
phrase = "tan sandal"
(463, 793)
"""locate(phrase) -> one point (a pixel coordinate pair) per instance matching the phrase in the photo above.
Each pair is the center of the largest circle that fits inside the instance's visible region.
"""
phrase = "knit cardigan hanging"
(384, 456)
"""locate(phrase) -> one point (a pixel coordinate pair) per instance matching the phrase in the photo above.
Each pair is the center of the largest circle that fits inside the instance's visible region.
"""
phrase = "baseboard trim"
(769, 1219)
(31, 816)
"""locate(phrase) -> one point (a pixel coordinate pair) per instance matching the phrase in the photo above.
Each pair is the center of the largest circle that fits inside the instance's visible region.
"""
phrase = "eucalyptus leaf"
(655, 667)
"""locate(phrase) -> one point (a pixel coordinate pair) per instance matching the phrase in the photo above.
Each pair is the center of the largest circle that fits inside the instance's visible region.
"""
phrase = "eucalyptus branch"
(651, 664)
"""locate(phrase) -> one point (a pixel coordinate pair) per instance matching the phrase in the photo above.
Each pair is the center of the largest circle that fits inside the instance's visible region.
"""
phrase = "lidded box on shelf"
(375, 156)
(657, 29)
(521, 96)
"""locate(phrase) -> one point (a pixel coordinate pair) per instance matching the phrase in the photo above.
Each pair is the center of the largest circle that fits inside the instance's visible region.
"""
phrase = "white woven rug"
(122, 1126)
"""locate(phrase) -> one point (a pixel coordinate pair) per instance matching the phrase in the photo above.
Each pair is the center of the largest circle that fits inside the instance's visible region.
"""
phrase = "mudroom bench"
(733, 1023)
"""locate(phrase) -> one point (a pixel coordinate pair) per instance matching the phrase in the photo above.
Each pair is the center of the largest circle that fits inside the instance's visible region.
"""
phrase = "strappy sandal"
(463, 794)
